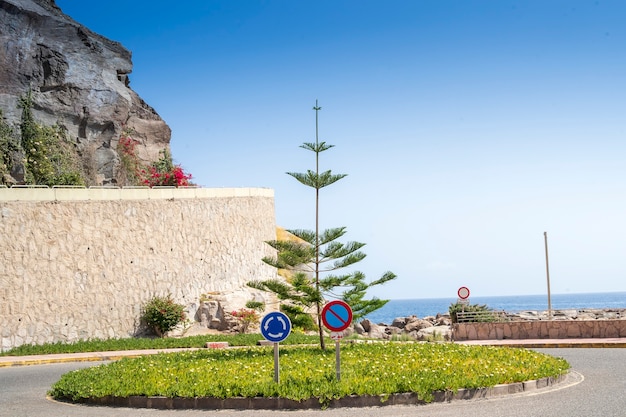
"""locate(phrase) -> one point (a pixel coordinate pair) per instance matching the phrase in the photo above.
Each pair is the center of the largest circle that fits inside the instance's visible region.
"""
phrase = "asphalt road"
(597, 387)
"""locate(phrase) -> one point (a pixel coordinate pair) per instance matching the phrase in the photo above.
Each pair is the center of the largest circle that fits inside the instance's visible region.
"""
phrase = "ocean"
(431, 306)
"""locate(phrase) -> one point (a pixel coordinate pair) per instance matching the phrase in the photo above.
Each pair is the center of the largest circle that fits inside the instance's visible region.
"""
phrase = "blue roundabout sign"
(275, 326)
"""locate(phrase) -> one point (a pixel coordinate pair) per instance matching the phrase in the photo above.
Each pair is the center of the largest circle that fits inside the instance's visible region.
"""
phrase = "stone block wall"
(549, 329)
(80, 263)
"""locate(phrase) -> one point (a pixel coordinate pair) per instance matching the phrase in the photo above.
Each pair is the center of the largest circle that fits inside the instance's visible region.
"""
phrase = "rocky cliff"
(79, 81)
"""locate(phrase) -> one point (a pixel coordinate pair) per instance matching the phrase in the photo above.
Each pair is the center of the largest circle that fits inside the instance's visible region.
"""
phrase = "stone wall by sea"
(545, 329)
(80, 263)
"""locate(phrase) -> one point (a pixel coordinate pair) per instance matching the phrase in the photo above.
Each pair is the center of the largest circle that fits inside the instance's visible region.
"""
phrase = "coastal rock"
(415, 323)
(358, 329)
(428, 328)
(366, 324)
(434, 333)
(79, 81)
(525, 315)
(399, 322)
(443, 321)
(377, 332)
(391, 331)
(569, 314)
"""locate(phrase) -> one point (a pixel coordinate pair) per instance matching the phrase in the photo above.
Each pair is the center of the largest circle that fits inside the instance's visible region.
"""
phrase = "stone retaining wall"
(80, 263)
(556, 329)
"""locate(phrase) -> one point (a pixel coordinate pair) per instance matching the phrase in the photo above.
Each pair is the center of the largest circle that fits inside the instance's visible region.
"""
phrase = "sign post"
(337, 316)
(275, 327)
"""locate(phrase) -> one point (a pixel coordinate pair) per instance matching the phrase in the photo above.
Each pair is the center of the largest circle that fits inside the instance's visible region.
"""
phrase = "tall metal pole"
(545, 238)
(337, 360)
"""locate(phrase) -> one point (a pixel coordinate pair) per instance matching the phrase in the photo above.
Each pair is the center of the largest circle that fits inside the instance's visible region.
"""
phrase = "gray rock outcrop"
(428, 328)
(79, 80)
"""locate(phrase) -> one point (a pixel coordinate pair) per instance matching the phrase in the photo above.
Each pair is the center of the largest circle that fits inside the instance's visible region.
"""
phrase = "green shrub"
(255, 305)
(49, 157)
(472, 308)
(9, 146)
(162, 314)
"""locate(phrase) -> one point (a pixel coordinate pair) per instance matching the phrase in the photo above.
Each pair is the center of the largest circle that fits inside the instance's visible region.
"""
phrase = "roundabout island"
(373, 374)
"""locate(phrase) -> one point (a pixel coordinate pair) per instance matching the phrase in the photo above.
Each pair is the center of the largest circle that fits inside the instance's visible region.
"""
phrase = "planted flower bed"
(368, 369)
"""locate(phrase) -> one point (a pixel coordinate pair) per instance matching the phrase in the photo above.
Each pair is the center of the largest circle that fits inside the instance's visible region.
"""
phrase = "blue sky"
(466, 128)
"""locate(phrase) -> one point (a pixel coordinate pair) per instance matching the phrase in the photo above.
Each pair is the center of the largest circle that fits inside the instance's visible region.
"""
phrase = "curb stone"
(275, 403)
(7, 361)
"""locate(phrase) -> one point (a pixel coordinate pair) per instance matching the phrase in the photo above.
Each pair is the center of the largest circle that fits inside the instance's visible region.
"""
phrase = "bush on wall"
(162, 172)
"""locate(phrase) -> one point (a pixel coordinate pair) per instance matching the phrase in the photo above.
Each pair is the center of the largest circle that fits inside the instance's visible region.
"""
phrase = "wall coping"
(43, 193)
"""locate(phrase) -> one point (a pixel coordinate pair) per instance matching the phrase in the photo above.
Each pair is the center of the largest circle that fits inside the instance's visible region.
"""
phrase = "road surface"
(596, 388)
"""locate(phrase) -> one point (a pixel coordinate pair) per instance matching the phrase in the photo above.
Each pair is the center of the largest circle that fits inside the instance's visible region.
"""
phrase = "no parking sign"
(337, 316)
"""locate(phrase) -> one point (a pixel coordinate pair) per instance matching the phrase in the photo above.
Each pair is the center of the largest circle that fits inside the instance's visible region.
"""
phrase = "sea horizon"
(422, 307)
(515, 295)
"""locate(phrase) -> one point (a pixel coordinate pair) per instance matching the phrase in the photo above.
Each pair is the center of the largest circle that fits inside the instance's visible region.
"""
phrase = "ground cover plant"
(107, 345)
(309, 372)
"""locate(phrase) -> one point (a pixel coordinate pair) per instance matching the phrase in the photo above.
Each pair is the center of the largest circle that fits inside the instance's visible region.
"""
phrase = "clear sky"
(467, 128)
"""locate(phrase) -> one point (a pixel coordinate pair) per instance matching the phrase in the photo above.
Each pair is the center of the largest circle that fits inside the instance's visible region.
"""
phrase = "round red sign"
(463, 293)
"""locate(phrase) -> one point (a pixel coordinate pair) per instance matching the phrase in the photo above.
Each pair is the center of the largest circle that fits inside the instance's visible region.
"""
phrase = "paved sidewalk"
(116, 355)
(81, 357)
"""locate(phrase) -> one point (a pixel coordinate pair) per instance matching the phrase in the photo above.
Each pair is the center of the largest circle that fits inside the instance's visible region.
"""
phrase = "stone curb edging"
(27, 362)
(8, 361)
(274, 403)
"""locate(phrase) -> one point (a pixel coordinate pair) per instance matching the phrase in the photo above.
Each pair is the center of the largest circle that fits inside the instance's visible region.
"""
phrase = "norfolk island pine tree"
(311, 261)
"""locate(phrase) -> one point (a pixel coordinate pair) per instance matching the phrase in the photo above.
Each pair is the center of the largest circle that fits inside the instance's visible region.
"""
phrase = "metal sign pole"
(275, 327)
(337, 361)
(276, 364)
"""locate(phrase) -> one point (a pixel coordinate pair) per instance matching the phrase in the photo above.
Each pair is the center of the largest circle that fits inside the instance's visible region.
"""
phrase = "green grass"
(96, 345)
(305, 372)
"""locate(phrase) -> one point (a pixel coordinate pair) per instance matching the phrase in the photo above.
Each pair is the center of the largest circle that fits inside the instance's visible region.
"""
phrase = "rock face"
(79, 80)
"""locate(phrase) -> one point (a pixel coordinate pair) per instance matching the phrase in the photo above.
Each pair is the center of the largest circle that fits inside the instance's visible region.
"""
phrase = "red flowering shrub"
(160, 173)
(162, 314)
(245, 317)
(176, 177)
